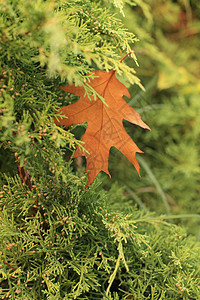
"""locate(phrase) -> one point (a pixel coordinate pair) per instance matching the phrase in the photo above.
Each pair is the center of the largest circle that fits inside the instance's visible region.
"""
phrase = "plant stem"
(9, 265)
(132, 51)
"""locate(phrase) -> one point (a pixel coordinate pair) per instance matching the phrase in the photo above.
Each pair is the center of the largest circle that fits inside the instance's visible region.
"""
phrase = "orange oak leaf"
(105, 128)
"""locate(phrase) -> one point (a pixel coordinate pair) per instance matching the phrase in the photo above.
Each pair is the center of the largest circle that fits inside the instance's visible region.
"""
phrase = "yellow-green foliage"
(59, 240)
(168, 33)
(75, 245)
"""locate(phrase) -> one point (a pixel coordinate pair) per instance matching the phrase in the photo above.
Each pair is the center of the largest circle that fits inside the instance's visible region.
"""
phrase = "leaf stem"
(5, 262)
(132, 51)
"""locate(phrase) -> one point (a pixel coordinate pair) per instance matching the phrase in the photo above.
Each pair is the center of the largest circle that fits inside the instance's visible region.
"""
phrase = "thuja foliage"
(73, 245)
(59, 240)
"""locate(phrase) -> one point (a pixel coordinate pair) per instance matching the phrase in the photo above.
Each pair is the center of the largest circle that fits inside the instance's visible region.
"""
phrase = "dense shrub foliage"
(59, 240)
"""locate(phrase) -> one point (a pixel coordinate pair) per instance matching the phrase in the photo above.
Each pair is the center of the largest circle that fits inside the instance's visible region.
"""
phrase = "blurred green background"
(169, 68)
